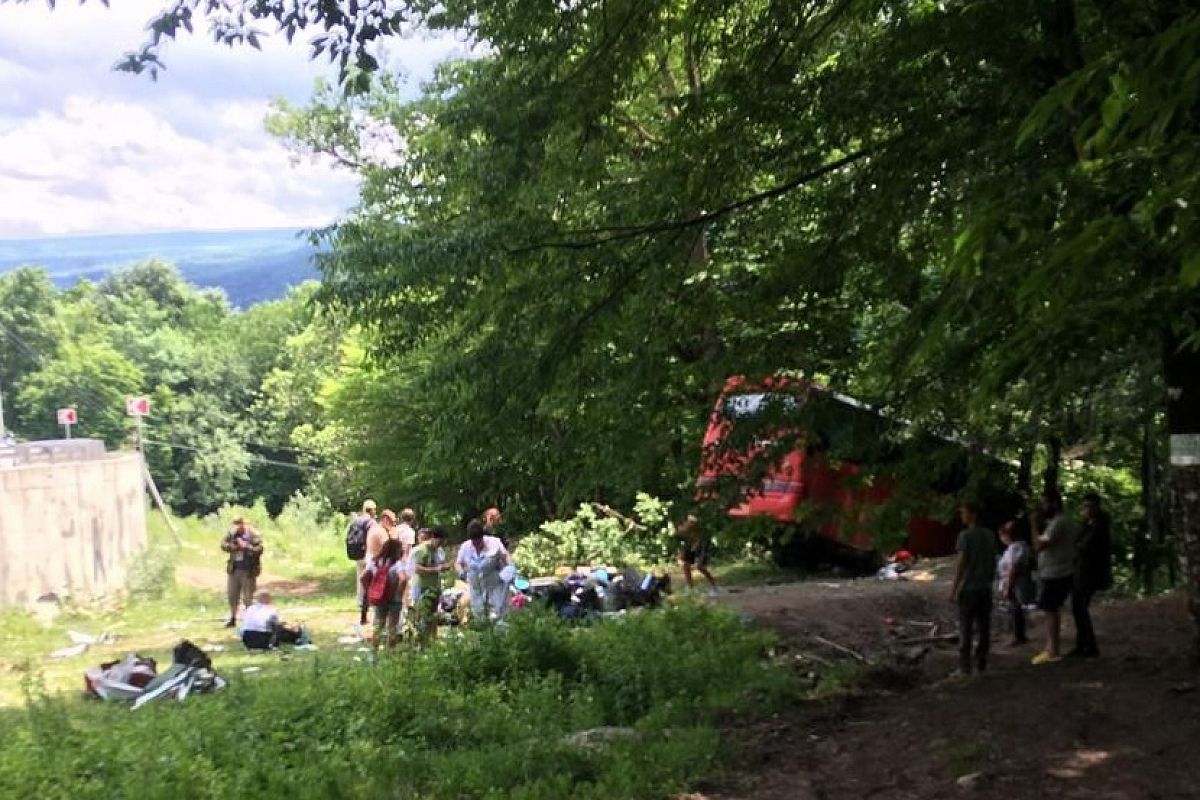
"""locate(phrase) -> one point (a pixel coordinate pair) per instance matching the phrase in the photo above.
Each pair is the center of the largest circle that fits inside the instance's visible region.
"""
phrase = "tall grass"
(478, 717)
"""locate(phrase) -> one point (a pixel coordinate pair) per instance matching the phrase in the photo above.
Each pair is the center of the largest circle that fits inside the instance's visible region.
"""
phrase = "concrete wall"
(69, 526)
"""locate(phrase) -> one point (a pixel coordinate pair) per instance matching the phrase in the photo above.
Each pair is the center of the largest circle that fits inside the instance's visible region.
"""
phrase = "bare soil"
(1124, 726)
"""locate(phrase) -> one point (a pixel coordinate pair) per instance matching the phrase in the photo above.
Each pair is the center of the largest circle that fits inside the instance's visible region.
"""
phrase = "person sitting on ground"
(245, 549)
(384, 582)
(974, 574)
(693, 554)
(481, 558)
(1054, 540)
(427, 564)
(1016, 576)
(1093, 573)
(263, 630)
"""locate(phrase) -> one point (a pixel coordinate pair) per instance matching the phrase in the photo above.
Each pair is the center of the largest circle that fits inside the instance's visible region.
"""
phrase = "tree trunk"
(1050, 482)
(1181, 370)
(1025, 473)
(1143, 546)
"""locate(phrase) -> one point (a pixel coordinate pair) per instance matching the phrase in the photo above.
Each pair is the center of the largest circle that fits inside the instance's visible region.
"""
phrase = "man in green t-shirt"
(428, 564)
(972, 589)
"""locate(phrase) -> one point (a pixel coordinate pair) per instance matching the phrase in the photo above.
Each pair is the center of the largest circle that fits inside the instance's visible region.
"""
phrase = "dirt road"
(1125, 726)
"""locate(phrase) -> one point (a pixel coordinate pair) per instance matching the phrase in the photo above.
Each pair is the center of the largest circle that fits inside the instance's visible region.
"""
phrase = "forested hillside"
(232, 392)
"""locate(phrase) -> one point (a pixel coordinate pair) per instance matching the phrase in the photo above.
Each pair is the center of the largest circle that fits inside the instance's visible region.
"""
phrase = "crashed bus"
(822, 466)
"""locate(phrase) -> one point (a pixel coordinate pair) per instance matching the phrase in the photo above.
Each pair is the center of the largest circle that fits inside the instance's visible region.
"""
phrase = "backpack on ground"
(381, 589)
(356, 538)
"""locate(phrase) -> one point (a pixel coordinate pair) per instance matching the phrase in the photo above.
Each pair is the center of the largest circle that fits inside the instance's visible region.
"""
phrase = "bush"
(152, 572)
(484, 716)
(591, 537)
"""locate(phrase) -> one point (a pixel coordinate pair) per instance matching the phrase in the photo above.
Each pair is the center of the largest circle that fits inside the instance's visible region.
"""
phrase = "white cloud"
(87, 150)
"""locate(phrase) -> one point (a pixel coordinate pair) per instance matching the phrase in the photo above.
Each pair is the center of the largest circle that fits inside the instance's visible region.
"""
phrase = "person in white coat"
(481, 558)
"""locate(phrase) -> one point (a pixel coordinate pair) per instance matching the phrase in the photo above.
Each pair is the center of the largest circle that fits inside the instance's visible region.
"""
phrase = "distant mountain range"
(251, 266)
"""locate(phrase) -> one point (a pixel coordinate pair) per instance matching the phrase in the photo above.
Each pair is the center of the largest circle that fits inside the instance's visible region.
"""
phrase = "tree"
(89, 376)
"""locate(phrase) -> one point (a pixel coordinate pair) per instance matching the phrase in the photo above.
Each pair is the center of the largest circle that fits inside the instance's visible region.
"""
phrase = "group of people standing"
(1048, 560)
(399, 570)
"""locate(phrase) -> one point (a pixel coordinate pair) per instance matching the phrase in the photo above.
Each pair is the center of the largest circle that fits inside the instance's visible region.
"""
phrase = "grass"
(486, 714)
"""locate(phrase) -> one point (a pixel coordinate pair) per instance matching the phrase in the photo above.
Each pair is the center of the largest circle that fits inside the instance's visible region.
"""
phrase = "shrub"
(152, 571)
(483, 716)
(591, 537)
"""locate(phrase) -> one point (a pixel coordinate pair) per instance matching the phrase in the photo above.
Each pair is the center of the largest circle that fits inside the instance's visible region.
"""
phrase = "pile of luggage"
(599, 591)
(136, 678)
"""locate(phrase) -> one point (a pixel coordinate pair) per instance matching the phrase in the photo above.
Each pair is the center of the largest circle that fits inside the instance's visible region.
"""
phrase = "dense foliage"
(483, 716)
(230, 390)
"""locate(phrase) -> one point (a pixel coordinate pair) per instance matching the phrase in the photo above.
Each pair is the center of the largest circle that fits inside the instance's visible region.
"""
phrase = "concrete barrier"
(69, 523)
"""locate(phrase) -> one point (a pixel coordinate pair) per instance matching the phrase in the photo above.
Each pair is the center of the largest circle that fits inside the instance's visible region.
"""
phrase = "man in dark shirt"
(1093, 573)
(974, 575)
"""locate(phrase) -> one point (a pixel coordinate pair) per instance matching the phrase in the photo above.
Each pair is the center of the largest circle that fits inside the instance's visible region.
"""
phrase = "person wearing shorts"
(1054, 540)
(694, 554)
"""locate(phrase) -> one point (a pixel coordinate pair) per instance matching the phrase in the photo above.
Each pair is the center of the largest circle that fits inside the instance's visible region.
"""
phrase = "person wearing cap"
(482, 557)
(245, 548)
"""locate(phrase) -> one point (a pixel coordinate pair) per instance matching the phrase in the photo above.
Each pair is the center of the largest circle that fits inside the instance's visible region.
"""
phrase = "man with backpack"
(356, 551)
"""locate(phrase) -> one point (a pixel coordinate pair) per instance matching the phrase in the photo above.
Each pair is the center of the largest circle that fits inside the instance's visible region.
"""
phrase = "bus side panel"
(780, 493)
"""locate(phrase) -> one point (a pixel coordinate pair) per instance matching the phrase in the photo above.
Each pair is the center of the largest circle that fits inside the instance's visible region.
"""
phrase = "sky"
(86, 150)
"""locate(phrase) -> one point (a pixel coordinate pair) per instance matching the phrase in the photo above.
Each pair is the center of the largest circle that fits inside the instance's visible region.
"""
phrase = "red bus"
(810, 459)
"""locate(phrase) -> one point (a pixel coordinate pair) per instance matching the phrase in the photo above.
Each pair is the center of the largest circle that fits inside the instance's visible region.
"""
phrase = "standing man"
(407, 531)
(974, 574)
(426, 566)
(693, 554)
(356, 551)
(245, 547)
(1093, 573)
(482, 557)
(1054, 540)
(378, 535)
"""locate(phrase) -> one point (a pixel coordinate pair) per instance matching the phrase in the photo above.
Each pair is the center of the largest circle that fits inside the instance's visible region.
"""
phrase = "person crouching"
(263, 630)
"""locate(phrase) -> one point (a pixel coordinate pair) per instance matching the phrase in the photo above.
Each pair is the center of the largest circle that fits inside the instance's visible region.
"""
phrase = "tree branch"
(619, 233)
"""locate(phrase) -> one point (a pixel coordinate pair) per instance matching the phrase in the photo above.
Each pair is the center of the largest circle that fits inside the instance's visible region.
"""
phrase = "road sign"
(137, 406)
(67, 416)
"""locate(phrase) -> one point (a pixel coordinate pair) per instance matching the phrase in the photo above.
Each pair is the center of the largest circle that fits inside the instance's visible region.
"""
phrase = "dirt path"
(214, 579)
(1126, 726)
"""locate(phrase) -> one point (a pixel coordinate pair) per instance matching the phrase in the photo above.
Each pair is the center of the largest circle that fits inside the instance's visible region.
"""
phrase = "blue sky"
(84, 149)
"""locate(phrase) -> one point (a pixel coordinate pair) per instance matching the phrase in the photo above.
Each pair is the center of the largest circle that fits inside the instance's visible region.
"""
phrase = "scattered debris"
(88, 639)
(970, 780)
(1183, 688)
(841, 648)
(136, 678)
(70, 652)
(251, 669)
(213, 648)
(349, 639)
(596, 738)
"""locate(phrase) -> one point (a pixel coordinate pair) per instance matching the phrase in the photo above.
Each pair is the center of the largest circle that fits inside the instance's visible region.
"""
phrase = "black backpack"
(356, 538)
